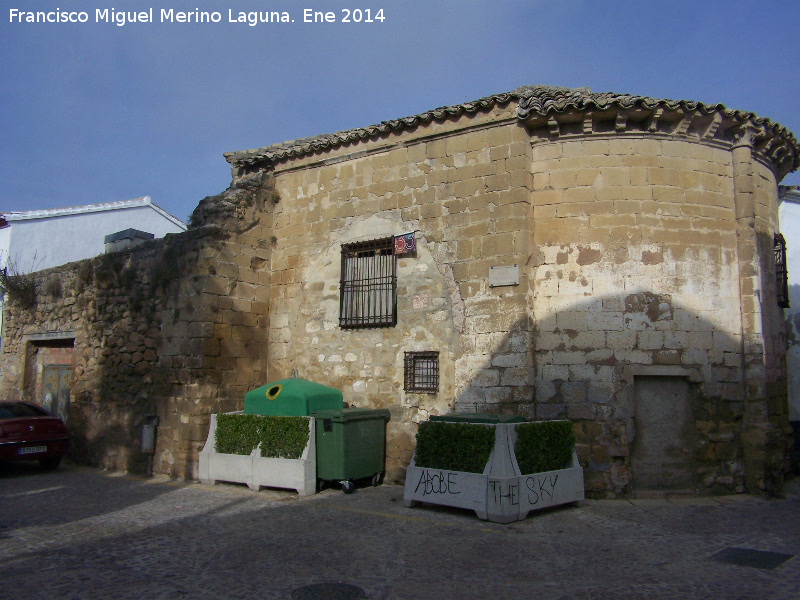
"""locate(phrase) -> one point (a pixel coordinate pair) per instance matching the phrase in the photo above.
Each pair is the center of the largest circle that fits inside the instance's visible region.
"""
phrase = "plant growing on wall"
(54, 287)
(85, 275)
(107, 269)
(166, 269)
(544, 446)
(280, 437)
(18, 283)
(454, 446)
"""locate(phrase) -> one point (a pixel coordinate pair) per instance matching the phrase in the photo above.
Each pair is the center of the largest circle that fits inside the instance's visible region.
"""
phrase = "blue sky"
(95, 112)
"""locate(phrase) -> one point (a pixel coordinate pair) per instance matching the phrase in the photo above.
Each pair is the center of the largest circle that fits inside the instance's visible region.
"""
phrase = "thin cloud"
(96, 112)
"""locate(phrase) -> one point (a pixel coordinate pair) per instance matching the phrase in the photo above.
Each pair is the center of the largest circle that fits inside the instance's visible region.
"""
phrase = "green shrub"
(283, 437)
(236, 434)
(280, 437)
(544, 446)
(454, 446)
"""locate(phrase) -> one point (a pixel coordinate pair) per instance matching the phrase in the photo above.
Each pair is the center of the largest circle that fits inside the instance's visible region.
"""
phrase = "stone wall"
(641, 242)
(176, 327)
(638, 233)
(466, 196)
(635, 274)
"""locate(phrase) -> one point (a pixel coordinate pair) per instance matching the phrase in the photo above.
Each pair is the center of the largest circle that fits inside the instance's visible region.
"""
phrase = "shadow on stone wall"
(793, 366)
(130, 307)
(176, 327)
(585, 361)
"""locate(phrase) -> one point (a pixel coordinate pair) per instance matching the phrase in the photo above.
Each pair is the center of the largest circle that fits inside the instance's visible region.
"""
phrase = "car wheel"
(50, 463)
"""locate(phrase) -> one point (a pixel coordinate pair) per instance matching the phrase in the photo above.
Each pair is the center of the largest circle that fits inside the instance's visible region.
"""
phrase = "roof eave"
(535, 106)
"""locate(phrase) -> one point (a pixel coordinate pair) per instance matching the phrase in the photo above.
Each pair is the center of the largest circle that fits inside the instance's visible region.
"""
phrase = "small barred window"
(421, 372)
(781, 271)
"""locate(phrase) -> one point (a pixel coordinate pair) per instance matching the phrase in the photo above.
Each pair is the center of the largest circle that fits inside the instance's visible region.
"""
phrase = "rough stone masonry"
(637, 236)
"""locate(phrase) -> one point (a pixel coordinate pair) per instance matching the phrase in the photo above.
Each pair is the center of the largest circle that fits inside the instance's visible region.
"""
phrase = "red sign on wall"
(405, 243)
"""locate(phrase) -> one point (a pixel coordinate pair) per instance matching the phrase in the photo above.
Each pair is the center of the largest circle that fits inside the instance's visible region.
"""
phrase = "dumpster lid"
(295, 387)
(485, 418)
(352, 414)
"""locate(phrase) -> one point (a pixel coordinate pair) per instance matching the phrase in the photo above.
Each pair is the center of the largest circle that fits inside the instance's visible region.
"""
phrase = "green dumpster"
(292, 397)
(350, 445)
(486, 418)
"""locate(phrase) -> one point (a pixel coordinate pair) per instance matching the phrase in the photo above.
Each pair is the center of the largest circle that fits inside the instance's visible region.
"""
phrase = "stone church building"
(554, 253)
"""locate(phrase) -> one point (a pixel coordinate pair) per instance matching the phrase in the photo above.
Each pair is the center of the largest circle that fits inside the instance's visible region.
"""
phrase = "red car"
(29, 432)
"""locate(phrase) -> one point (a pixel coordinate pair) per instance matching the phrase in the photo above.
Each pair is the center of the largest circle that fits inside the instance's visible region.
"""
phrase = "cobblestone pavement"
(79, 533)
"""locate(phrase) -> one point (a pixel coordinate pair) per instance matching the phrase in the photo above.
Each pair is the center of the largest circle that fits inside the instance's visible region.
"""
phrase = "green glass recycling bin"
(351, 443)
(485, 418)
(291, 398)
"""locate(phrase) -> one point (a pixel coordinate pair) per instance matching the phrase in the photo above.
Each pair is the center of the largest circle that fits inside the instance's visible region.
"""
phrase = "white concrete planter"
(501, 493)
(256, 471)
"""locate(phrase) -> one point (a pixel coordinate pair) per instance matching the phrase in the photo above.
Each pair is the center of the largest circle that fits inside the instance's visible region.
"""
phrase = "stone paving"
(78, 533)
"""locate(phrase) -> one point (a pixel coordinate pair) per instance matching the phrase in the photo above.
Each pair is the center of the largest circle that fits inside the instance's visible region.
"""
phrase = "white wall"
(5, 241)
(789, 213)
(49, 241)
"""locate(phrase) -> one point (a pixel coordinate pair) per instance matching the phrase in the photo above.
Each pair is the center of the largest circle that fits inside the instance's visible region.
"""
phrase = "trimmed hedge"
(284, 437)
(280, 437)
(454, 446)
(544, 446)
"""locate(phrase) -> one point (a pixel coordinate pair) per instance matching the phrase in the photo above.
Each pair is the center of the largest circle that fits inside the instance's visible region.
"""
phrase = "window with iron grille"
(368, 291)
(781, 272)
(421, 372)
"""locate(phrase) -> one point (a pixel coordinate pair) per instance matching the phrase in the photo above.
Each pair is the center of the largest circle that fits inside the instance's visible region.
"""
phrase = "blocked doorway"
(55, 395)
(663, 452)
(48, 374)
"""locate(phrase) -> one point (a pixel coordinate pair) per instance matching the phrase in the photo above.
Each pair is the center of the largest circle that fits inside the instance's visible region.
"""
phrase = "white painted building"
(33, 240)
(789, 213)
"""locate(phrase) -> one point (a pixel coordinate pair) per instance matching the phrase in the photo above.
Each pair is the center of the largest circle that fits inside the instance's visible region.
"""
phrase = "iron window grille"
(781, 272)
(421, 372)
(368, 290)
